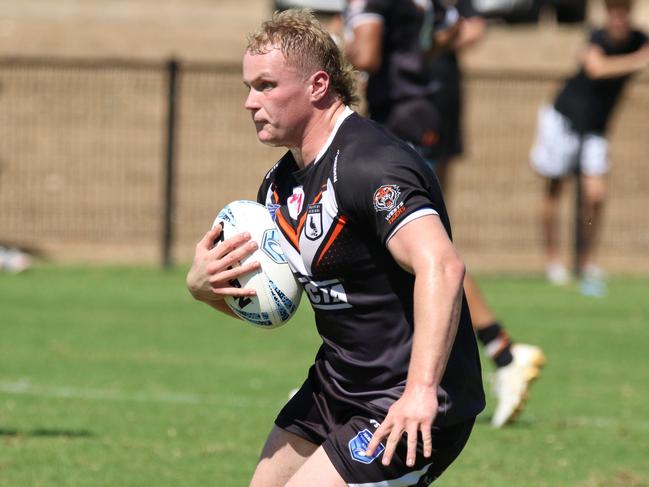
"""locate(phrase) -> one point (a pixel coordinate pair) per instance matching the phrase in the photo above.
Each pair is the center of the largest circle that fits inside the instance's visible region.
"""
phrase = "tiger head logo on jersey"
(385, 198)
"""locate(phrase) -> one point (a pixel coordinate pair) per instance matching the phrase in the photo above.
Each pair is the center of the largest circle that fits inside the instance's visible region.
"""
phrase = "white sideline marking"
(26, 388)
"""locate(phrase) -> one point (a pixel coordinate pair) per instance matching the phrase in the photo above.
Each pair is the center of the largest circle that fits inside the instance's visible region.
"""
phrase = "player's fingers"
(427, 440)
(232, 258)
(391, 445)
(235, 292)
(227, 275)
(230, 244)
(207, 242)
(411, 451)
(381, 432)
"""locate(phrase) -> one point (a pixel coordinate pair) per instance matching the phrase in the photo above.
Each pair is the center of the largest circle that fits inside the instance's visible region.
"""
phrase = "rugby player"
(395, 387)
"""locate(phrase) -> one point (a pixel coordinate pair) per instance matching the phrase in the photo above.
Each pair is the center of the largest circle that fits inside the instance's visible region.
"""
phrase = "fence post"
(172, 68)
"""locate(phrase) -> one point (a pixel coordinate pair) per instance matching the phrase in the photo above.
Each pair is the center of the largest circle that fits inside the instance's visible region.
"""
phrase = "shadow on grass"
(47, 433)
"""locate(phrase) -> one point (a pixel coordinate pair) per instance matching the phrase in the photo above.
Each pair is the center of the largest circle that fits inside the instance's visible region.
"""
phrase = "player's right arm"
(214, 267)
(364, 47)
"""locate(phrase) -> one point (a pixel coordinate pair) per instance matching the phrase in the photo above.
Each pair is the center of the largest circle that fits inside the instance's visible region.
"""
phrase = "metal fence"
(85, 149)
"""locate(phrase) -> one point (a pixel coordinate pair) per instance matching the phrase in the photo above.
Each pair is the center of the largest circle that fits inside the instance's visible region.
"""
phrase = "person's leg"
(283, 455)
(318, 466)
(556, 271)
(592, 278)
(490, 333)
(594, 194)
(517, 365)
(595, 166)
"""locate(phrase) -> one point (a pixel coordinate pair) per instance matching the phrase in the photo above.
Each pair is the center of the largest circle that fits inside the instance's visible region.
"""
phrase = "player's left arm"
(423, 248)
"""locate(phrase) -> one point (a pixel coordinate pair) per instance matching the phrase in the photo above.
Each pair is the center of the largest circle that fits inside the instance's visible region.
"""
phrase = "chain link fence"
(84, 147)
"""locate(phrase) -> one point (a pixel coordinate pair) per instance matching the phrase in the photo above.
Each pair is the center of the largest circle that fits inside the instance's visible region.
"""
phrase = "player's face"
(277, 98)
(618, 23)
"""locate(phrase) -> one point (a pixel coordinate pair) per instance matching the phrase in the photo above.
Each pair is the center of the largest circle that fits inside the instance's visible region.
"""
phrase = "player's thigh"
(318, 466)
(283, 454)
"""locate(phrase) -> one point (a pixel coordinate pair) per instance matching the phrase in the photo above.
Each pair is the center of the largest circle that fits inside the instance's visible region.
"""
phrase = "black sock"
(496, 343)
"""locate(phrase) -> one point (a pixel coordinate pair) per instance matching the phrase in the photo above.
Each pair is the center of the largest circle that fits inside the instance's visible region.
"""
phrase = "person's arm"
(422, 247)
(364, 50)
(472, 31)
(599, 66)
(208, 279)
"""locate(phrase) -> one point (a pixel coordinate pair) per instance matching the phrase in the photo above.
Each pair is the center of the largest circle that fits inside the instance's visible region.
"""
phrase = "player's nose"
(251, 102)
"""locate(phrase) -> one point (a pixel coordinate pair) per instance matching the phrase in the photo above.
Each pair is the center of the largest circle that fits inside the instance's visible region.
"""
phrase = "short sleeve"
(598, 38)
(359, 11)
(378, 196)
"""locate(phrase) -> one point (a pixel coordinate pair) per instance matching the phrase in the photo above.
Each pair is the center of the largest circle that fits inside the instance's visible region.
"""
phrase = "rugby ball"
(278, 292)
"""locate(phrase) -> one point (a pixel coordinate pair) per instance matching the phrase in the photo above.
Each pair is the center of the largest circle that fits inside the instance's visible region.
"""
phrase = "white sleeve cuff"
(413, 216)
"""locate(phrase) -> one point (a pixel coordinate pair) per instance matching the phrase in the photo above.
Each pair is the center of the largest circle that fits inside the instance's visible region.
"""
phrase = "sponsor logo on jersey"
(336, 166)
(295, 202)
(271, 247)
(359, 443)
(326, 295)
(385, 198)
(313, 226)
(395, 213)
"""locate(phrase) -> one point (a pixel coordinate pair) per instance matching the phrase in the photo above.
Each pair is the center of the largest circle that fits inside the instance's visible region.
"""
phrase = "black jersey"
(445, 66)
(588, 103)
(335, 217)
(407, 34)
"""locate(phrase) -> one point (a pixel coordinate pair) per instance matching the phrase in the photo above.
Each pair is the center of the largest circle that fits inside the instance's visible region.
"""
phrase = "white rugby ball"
(278, 292)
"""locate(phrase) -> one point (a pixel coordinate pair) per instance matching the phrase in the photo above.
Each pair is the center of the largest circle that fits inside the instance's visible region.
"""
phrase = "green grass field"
(115, 377)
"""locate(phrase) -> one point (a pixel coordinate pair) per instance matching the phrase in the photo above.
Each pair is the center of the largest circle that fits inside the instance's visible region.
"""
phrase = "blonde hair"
(307, 46)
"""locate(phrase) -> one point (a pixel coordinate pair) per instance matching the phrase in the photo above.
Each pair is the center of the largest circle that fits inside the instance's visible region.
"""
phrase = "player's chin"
(268, 139)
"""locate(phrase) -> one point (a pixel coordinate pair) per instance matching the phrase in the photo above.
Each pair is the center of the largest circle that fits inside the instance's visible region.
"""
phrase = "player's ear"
(319, 85)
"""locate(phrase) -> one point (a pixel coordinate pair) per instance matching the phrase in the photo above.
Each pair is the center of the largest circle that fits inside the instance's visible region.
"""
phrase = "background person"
(573, 130)
(396, 385)
(414, 88)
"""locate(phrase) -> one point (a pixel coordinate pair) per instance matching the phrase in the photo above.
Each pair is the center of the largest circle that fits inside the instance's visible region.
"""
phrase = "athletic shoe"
(512, 382)
(592, 282)
(13, 260)
(557, 274)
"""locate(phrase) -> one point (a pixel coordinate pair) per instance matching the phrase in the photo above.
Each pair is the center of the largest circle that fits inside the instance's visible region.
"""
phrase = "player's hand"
(214, 268)
(412, 414)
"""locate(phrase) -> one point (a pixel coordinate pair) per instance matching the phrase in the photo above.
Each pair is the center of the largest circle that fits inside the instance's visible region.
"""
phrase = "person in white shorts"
(572, 135)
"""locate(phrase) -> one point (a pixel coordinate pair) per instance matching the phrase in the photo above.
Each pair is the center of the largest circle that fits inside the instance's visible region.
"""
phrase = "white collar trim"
(341, 118)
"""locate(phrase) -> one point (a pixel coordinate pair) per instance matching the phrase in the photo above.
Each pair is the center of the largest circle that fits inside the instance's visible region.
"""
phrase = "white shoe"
(557, 274)
(512, 382)
(13, 260)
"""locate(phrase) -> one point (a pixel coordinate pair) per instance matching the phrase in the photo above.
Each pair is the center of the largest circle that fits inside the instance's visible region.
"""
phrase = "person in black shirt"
(396, 385)
(573, 132)
(414, 90)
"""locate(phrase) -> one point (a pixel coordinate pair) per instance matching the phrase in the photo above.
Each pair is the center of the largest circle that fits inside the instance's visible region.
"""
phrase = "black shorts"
(344, 429)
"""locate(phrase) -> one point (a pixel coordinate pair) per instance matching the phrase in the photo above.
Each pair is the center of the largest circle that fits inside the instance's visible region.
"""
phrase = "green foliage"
(114, 376)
